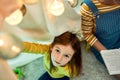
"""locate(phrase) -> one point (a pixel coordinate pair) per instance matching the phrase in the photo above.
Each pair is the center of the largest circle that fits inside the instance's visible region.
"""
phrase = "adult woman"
(101, 25)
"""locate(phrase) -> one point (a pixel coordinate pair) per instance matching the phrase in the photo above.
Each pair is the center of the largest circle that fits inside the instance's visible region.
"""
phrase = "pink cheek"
(54, 55)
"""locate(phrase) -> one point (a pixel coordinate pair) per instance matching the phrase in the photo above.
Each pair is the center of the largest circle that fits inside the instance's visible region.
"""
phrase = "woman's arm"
(97, 45)
(88, 24)
(88, 27)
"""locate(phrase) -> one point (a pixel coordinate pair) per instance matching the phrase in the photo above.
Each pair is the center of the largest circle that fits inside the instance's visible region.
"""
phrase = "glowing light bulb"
(15, 18)
(31, 1)
(1, 42)
(56, 8)
(10, 46)
(15, 49)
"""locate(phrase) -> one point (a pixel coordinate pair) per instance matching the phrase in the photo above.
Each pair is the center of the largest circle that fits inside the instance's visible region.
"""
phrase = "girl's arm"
(35, 48)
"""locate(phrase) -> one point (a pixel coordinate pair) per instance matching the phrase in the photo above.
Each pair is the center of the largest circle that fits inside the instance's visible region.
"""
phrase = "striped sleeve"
(88, 19)
(88, 24)
(35, 48)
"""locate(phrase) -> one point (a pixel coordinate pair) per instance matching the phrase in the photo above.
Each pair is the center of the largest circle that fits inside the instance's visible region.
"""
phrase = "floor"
(92, 69)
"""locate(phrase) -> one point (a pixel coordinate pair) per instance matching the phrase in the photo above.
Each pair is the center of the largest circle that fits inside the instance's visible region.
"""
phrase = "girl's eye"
(57, 50)
(66, 56)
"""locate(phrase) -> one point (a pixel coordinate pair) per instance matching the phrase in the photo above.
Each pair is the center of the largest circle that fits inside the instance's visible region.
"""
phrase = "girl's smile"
(55, 63)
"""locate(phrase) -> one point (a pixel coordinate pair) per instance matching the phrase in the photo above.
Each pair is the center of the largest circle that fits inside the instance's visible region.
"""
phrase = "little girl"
(62, 58)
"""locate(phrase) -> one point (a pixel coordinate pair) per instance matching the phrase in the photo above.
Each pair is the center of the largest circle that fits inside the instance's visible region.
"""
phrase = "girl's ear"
(51, 47)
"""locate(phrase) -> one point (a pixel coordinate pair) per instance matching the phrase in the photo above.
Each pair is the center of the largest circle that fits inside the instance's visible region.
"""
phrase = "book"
(112, 60)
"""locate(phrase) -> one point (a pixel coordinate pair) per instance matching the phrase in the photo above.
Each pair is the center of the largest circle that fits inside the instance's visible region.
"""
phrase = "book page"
(112, 60)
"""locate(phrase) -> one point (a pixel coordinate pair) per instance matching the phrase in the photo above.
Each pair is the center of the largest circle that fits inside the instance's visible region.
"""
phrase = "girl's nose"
(59, 58)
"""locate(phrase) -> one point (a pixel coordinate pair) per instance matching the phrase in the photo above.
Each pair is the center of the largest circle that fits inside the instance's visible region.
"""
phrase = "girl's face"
(61, 54)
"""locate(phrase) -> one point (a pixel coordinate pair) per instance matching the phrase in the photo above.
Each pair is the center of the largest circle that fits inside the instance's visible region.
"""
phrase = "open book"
(112, 60)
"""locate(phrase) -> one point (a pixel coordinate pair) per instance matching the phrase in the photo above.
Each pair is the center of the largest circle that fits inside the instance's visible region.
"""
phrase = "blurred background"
(40, 21)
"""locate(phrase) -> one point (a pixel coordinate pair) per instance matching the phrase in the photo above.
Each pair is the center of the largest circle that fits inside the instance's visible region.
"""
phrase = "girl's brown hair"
(68, 38)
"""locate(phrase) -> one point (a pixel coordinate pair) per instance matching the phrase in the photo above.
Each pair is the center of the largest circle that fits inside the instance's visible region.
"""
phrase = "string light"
(56, 8)
(16, 17)
(15, 49)
(10, 45)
